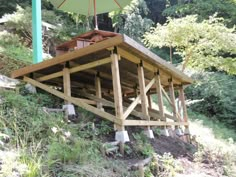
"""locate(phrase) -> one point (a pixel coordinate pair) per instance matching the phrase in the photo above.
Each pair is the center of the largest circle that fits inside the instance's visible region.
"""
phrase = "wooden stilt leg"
(172, 97)
(149, 101)
(117, 88)
(144, 101)
(185, 114)
(98, 90)
(66, 87)
(160, 97)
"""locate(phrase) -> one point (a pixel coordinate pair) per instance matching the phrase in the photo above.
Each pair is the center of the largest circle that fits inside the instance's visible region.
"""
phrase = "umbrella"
(90, 7)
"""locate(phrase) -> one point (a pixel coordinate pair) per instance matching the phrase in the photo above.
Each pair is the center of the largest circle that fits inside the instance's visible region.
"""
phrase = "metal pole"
(37, 31)
(95, 14)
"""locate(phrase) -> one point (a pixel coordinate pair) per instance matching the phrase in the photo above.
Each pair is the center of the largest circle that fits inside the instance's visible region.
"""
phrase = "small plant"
(170, 165)
(142, 145)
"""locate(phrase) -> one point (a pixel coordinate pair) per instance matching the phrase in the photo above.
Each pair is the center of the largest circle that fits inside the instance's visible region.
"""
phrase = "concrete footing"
(179, 132)
(149, 133)
(122, 136)
(69, 108)
(165, 132)
(186, 131)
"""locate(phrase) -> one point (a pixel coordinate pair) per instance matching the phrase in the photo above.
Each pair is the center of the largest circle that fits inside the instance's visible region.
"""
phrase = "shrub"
(142, 145)
(217, 92)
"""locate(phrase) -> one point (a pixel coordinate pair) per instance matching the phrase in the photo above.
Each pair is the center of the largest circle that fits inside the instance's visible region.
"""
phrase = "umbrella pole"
(95, 15)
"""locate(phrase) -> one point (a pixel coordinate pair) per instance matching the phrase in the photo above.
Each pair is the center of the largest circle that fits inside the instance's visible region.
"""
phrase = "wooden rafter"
(77, 69)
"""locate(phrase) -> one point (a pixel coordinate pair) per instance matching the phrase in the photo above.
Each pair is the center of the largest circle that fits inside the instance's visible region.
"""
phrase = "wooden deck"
(106, 75)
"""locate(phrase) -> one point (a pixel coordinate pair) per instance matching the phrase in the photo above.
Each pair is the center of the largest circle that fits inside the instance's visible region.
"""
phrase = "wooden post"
(67, 88)
(183, 105)
(172, 97)
(150, 101)
(98, 90)
(159, 96)
(117, 88)
(66, 82)
(143, 95)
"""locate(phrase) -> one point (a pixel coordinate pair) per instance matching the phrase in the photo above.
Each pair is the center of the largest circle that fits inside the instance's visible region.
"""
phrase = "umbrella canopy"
(89, 7)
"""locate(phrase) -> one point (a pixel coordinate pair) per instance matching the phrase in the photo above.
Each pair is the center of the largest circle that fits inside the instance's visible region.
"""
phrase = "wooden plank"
(77, 102)
(131, 57)
(159, 96)
(144, 101)
(137, 99)
(77, 69)
(172, 97)
(91, 102)
(182, 99)
(66, 83)
(110, 104)
(166, 95)
(98, 90)
(117, 87)
(69, 56)
(149, 101)
(152, 123)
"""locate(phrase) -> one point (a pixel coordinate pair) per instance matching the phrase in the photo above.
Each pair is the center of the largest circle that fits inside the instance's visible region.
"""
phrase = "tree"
(204, 9)
(201, 44)
(132, 20)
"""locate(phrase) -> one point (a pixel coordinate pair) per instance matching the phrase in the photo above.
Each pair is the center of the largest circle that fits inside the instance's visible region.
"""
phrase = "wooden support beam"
(69, 56)
(149, 101)
(110, 104)
(137, 99)
(144, 101)
(117, 87)
(152, 123)
(159, 96)
(182, 99)
(172, 97)
(166, 95)
(77, 69)
(134, 59)
(77, 102)
(66, 83)
(98, 90)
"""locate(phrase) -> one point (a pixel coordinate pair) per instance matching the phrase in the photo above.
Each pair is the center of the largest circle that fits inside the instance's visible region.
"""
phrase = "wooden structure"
(112, 76)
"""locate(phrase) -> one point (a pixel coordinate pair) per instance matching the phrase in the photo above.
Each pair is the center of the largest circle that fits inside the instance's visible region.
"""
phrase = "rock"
(7, 82)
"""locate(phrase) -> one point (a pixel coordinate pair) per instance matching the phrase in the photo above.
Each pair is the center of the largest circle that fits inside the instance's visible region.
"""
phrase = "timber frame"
(117, 74)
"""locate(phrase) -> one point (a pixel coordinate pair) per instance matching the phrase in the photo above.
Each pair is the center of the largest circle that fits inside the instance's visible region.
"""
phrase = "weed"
(142, 145)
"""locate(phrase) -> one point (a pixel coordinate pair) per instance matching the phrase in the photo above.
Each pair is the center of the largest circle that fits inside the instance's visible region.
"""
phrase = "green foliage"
(142, 145)
(80, 151)
(12, 47)
(217, 92)
(132, 20)
(24, 120)
(170, 165)
(201, 44)
(204, 8)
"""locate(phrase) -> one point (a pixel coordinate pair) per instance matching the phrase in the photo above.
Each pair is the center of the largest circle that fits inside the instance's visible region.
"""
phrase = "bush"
(24, 120)
(142, 145)
(217, 92)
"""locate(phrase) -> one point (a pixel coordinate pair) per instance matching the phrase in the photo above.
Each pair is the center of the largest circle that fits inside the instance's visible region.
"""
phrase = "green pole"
(37, 31)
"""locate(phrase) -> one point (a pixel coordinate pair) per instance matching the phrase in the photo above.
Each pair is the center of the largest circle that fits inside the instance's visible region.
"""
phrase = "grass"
(218, 129)
(216, 144)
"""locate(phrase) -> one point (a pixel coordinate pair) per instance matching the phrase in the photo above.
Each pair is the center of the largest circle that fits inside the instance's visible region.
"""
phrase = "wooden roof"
(131, 54)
